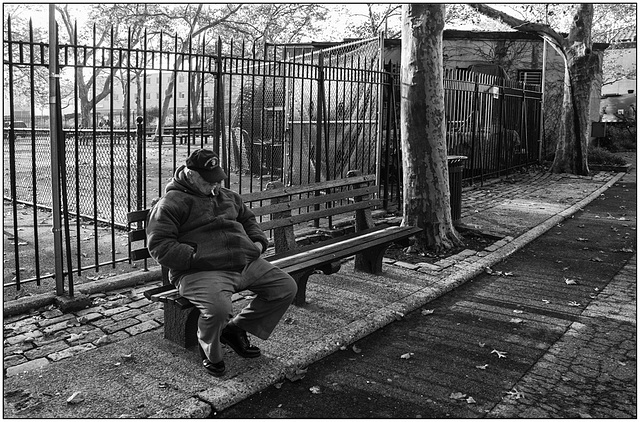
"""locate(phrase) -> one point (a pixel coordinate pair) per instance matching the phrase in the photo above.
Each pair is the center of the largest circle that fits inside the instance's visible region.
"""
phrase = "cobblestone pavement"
(47, 335)
(591, 371)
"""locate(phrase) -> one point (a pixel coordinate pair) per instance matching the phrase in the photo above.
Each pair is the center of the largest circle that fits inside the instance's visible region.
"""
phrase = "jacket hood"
(181, 183)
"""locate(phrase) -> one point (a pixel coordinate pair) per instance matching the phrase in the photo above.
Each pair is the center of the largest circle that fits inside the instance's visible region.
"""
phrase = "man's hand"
(259, 246)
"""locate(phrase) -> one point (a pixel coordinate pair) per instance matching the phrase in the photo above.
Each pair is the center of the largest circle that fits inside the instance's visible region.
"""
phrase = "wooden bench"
(281, 209)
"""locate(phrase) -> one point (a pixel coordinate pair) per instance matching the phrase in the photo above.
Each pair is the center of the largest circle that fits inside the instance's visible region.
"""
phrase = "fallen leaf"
(596, 259)
(515, 394)
(574, 304)
(278, 385)
(518, 311)
(582, 239)
(570, 281)
(427, 311)
(356, 349)
(457, 396)
(75, 398)
(315, 389)
(481, 344)
(483, 367)
(508, 274)
(470, 400)
(406, 356)
(546, 301)
(516, 321)
(499, 353)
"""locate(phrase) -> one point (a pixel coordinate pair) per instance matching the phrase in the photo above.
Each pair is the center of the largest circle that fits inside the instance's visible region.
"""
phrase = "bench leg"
(331, 268)
(181, 325)
(301, 280)
(370, 261)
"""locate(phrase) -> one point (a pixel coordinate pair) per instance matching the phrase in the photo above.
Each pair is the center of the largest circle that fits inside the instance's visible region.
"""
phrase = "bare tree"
(422, 113)
(581, 68)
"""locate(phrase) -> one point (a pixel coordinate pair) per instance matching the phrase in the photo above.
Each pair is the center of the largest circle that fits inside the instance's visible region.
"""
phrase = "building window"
(530, 77)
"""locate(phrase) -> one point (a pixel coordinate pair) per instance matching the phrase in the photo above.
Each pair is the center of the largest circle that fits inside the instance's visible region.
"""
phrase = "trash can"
(456, 164)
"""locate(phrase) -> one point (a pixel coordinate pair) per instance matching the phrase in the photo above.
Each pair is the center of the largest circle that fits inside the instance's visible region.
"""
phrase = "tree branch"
(555, 39)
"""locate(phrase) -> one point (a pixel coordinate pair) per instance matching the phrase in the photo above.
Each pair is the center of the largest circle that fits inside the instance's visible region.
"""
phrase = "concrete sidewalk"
(113, 355)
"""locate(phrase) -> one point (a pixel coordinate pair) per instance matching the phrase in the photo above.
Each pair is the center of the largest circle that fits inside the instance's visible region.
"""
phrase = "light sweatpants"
(210, 292)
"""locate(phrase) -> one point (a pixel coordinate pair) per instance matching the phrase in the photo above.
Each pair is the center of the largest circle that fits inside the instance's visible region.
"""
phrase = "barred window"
(530, 77)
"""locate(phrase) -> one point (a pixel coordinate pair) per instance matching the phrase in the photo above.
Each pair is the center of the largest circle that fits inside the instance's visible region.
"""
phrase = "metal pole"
(544, 74)
(380, 107)
(53, 131)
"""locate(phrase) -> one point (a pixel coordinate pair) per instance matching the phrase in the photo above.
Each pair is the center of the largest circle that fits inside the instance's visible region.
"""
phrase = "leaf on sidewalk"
(483, 367)
(458, 396)
(356, 349)
(596, 259)
(516, 321)
(515, 394)
(582, 239)
(427, 311)
(570, 281)
(406, 356)
(500, 354)
(315, 389)
(470, 400)
(574, 304)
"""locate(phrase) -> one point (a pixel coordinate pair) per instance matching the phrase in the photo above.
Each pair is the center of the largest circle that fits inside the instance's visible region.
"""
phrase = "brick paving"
(592, 367)
(47, 335)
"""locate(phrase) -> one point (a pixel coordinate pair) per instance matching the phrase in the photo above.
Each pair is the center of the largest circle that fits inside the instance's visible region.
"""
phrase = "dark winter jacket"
(190, 232)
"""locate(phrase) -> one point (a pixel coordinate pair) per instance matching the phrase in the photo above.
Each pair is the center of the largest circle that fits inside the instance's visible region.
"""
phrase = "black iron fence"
(285, 113)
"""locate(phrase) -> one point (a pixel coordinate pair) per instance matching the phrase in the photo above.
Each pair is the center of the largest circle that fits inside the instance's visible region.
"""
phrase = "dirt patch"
(472, 240)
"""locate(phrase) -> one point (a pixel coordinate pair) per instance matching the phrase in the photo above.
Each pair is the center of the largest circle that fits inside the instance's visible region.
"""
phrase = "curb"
(25, 304)
(384, 316)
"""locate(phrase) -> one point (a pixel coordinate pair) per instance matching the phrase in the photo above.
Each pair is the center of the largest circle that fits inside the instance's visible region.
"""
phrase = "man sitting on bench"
(211, 243)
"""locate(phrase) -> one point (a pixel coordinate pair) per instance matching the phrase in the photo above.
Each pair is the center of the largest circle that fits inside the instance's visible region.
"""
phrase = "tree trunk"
(422, 116)
(582, 66)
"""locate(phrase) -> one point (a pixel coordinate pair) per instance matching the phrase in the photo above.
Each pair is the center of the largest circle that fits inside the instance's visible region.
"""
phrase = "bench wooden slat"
(311, 187)
(157, 290)
(315, 258)
(137, 235)
(312, 246)
(313, 200)
(313, 215)
(138, 254)
(135, 216)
